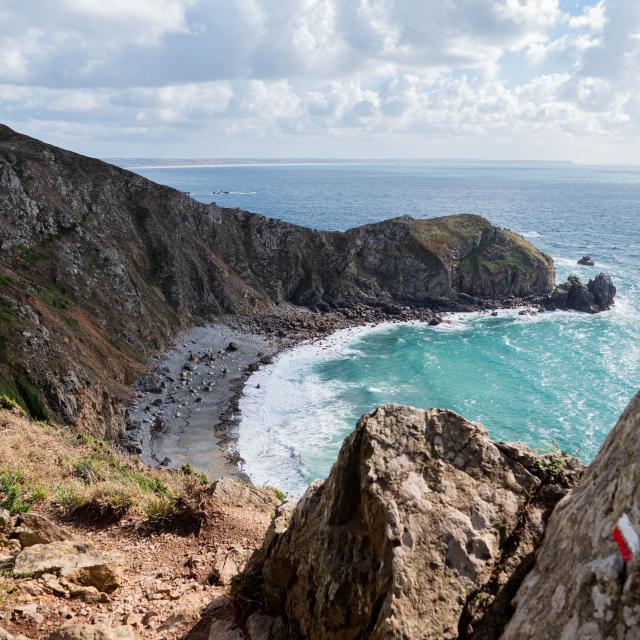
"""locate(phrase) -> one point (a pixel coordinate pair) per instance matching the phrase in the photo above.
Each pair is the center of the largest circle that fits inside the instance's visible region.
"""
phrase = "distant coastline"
(176, 163)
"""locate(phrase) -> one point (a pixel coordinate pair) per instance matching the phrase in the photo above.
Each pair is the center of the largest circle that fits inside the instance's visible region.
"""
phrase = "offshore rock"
(587, 261)
(423, 529)
(603, 290)
(593, 297)
(579, 586)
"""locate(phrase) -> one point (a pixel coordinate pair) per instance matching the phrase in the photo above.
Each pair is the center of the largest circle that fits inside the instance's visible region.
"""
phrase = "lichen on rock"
(579, 586)
(423, 529)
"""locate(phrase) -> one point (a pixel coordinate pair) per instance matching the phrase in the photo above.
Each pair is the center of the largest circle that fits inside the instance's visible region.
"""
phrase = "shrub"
(189, 471)
(85, 469)
(104, 504)
(68, 499)
(161, 510)
(149, 485)
(12, 496)
(7, 403)
(30, 392)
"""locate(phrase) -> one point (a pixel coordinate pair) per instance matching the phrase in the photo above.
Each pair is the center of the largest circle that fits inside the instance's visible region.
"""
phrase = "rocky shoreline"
(186, 408)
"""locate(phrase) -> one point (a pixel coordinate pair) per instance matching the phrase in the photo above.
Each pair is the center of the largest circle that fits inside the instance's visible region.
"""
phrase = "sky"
(481, 79)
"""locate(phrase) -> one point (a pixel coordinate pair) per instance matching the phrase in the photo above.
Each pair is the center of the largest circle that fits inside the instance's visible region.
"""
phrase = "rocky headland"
(130, 317)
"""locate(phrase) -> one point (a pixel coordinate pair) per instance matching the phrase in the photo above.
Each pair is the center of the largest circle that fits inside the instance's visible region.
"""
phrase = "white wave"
(531, 234)
(293, 420)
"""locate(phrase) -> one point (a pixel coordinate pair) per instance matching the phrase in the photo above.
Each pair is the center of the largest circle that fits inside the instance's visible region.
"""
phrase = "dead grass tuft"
(83, 477)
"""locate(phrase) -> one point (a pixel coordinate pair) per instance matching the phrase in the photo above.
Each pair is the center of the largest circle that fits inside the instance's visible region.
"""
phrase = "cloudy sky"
(495, 79)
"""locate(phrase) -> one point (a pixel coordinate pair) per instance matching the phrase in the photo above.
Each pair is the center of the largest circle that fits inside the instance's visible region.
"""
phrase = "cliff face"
(99, 268)
(423, 529)
(580, 587)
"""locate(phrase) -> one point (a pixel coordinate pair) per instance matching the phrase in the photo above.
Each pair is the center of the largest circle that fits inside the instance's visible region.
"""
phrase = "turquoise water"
(556, 379)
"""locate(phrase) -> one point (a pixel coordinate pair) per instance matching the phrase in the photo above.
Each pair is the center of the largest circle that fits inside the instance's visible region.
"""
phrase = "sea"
(552, 381)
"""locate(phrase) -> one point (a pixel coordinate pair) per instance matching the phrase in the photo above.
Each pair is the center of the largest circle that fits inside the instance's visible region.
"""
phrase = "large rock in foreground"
(78, 562)
(423, 529)
(580, 587)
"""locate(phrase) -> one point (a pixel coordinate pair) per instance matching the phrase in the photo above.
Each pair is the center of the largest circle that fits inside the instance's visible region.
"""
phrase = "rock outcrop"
(595, 296)
(423, 529)
(579, 586)
(587, 261)
(99, 268)
(78, 562)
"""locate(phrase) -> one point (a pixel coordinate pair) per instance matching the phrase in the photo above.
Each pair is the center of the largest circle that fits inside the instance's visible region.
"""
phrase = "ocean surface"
(551, 380)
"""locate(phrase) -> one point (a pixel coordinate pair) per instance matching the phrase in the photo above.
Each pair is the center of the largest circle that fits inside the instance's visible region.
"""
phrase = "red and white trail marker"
(626, 538)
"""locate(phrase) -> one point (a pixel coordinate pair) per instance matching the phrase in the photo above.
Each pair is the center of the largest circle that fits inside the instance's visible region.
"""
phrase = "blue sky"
(495, 79)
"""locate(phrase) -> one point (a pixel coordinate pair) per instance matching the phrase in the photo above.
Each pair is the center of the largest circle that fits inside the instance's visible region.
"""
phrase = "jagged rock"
(29, 612)
(79, 562)
(152, 383)
(185, 611)
(593, 297)
(423, 529)
(74, 631)
(6, 521)
(227, 564)
(579, 297)
(259, 626)
(587, 261)
(225, 630)
(89, 594)
(603, 290)
(35, 528)
(579, 586)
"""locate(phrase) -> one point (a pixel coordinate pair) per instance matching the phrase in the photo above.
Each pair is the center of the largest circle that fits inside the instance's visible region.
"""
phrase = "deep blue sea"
(552, 380)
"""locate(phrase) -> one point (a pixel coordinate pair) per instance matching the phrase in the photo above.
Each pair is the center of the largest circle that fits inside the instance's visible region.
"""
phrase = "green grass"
(14, 496)
(4, 347)
(31, 255)
(32, 395)
(9, 390)
(7, 313)
(54, 296)
(188, 470)
(5, 281)
(161, 510)
(71, 322)
(7, 403)
(279, 493)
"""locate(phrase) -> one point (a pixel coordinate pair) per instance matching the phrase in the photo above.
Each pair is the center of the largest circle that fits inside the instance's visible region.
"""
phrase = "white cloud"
(182, 73)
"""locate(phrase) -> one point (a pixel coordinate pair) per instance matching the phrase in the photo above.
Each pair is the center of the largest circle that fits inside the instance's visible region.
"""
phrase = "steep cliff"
(580, 587)
(99, 268)
(423, 530)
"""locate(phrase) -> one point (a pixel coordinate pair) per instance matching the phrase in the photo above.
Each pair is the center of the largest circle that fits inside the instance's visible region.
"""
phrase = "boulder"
(580, 587)
(587, 261)
(603, 290)
(579, 298)
(6, 521)
(227, 564)
(74, 631)
(34, 528)
(79, 562)
(152, 383)
(593, 297)
(423, 529)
